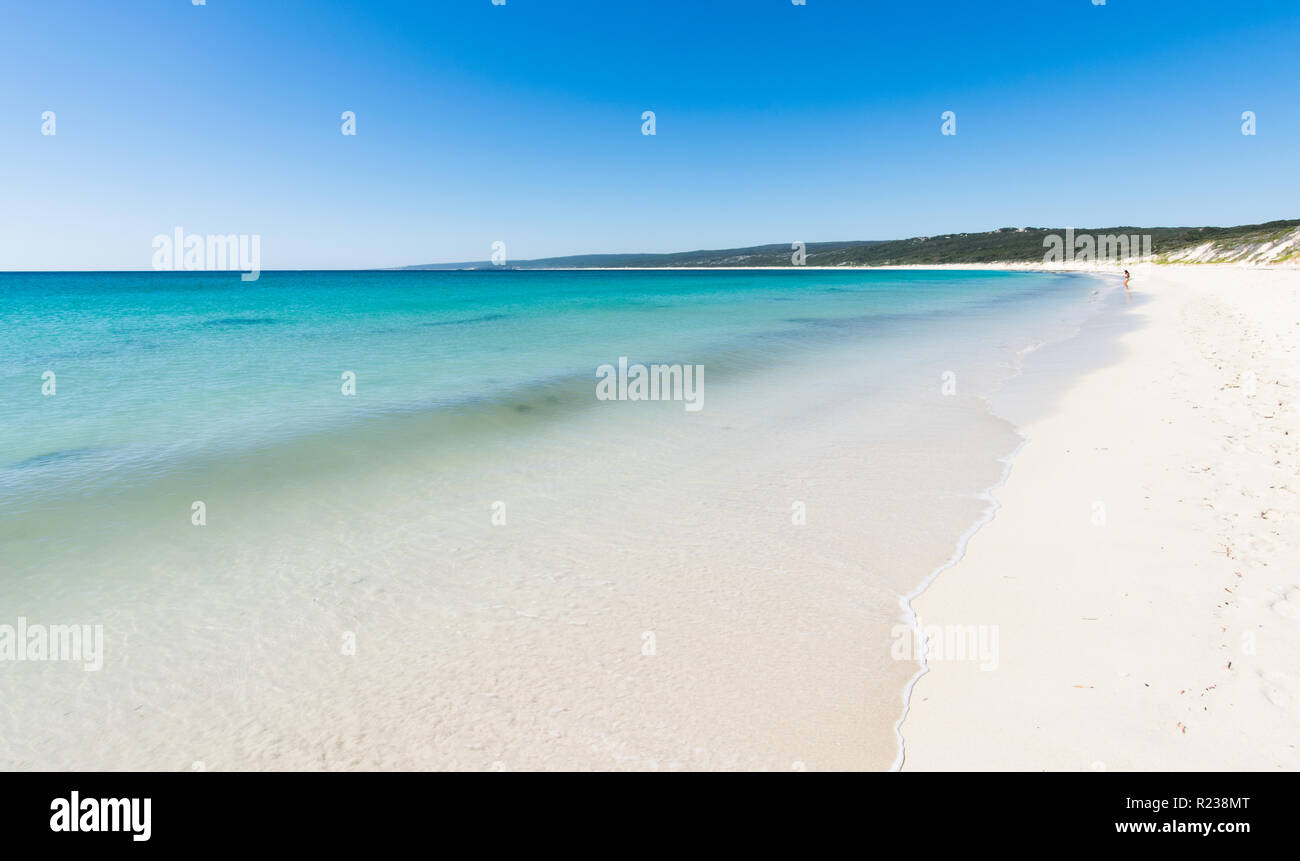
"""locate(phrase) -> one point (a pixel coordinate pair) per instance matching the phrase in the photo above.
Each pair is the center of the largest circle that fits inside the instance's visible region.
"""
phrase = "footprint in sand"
(1259, 546)
(1288, 606)
(1280, 689)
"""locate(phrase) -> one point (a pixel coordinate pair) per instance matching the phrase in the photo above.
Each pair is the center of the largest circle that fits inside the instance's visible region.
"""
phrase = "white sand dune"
(1144, 566)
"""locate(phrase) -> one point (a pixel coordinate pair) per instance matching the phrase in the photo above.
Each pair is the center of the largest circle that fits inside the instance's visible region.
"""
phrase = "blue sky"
(522, 123)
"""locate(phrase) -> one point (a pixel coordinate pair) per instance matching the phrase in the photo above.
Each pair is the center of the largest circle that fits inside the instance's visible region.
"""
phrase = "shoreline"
(1128, 639)
(910, 617)
(778, 643)
(732, 612)
(913, 620)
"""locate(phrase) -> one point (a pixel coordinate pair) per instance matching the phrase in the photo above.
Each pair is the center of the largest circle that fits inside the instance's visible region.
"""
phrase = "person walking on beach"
(1126, 277)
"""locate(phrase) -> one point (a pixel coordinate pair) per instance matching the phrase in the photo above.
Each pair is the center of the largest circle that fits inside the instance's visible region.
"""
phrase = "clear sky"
(522, 123)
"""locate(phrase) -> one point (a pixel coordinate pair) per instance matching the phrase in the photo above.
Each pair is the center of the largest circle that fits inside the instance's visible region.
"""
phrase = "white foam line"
(909, 615)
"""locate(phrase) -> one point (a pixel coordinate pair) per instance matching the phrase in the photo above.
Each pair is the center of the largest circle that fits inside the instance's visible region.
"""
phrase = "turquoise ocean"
(416, 460)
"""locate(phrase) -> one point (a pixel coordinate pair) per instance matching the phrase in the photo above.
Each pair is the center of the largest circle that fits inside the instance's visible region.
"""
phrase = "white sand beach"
(1141, 568)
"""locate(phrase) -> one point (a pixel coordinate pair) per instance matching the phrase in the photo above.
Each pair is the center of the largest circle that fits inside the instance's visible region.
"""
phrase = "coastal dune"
(1141, 568)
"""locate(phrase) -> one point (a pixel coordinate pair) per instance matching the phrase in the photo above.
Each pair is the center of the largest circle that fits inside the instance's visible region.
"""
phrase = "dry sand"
(1144, 566)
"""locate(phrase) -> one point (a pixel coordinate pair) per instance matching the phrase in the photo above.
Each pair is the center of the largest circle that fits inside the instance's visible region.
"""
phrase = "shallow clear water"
(154, 368)
(328, 513)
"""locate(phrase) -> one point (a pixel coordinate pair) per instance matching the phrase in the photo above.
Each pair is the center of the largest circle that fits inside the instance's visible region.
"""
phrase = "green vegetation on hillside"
(1009, 244)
